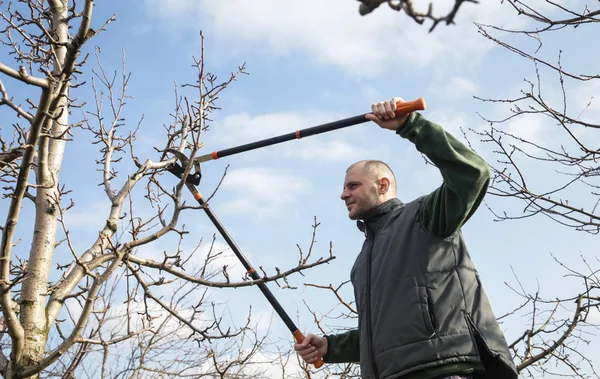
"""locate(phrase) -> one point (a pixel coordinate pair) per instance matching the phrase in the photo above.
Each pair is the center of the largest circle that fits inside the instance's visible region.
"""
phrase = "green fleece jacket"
(444, 211)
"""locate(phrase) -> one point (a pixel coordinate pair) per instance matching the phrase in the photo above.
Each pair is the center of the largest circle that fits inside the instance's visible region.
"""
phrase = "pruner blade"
(178, 169)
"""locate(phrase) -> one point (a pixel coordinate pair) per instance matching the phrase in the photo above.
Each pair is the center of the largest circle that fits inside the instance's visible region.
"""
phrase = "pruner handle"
(299, 338)
(410, 106)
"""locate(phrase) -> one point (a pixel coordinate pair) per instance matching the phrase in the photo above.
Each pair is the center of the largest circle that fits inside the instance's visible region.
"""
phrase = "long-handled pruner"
(191, 181)
(401, 109)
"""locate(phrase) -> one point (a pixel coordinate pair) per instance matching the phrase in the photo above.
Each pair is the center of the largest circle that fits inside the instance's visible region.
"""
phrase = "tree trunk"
(47, 201)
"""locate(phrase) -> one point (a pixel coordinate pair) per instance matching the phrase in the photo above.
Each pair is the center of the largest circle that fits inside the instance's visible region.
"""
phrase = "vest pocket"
(427, 311)
(399, 315)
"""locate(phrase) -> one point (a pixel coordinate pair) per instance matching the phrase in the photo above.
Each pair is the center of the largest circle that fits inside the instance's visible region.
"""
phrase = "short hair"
(375, 169)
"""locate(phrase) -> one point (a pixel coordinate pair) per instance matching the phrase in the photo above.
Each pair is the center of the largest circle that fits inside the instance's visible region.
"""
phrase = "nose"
(345, 195)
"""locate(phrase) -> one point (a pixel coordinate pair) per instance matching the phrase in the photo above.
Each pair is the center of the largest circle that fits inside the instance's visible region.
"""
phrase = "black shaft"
(339, 124)
(265, 290)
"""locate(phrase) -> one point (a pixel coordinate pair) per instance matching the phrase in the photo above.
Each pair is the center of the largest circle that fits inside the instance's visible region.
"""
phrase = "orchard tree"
(418, 15)
(555, 177)
(567, 191)
(106, 301)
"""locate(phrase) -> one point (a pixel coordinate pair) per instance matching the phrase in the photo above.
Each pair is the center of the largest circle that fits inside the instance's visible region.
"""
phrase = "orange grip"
(299, 338)
(410, 106)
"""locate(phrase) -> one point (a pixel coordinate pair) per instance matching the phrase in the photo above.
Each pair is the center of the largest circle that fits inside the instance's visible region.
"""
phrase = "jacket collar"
(374, 219)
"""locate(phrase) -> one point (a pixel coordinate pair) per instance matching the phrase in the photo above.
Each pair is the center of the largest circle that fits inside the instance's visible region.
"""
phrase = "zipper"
(431, 315)
(369, 328)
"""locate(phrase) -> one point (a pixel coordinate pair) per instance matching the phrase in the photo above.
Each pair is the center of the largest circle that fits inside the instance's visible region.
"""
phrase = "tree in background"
(112, 309)
(558, 328)
(553, 177)
(416, 14)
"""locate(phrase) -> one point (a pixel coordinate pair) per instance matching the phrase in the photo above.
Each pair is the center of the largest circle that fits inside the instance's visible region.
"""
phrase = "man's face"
(360, 193)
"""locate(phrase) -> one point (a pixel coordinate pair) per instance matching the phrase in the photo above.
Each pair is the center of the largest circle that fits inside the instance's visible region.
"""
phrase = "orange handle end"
(410, 106)
(299, 338)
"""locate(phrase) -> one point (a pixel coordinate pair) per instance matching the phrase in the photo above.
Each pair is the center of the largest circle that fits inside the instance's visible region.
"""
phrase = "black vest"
(420, 301)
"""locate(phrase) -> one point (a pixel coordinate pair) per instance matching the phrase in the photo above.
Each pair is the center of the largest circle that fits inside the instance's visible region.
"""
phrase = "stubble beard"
(361, 208)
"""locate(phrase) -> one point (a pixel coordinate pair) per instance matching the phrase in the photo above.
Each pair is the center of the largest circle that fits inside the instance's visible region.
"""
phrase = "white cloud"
(330, 151)
(527, 127)
(169, 244)
(450, 120)
(224, 257)
(459, 85)
(582, 104)
(586, 102)
(262, 191)
(333, 33)
(372, 94)
(244, 128)
(426, 179)
(455, 123)
(530, 127)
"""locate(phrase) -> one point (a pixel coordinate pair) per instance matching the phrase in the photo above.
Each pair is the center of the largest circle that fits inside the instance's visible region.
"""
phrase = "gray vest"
(420, 301)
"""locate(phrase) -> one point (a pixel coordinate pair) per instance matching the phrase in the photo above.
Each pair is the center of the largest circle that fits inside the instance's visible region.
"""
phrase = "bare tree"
(56, 317)
(419, 16)
(555, 177)
(575, 158)
(559, 327)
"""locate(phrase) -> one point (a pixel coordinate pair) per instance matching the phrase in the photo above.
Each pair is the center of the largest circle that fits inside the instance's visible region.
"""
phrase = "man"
(422, 312)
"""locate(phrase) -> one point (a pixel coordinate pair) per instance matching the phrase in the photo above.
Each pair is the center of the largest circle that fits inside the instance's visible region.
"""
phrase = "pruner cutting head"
(179, 169)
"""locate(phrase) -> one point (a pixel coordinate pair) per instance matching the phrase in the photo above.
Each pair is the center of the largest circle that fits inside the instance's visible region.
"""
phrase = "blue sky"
(312, 62)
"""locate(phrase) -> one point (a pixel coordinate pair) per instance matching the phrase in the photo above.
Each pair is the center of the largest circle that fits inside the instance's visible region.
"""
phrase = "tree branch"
(6, 100)
(23, 76)
(171, 269)
(368, 6)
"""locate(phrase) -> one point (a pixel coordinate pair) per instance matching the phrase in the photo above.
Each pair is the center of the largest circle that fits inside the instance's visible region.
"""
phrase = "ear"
(384, 185)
